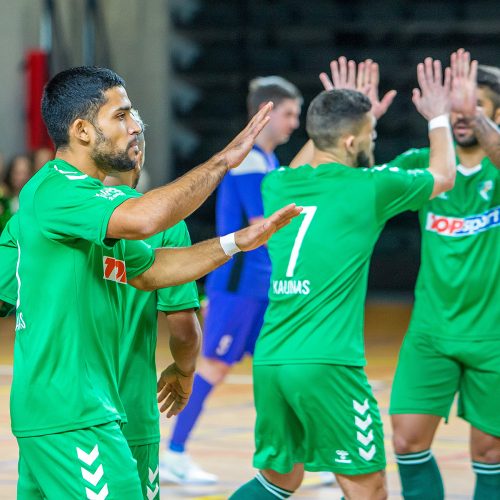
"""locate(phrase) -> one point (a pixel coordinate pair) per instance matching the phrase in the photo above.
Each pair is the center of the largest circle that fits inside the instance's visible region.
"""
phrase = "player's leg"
(87, 463)
(424, 386)
(279, 438)
(479, 404)
(343, 428)
(146, 456)
(230, 321)
(363, 487)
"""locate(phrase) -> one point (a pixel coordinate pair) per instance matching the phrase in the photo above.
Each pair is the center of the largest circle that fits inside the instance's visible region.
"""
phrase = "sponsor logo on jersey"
(485, 190)
(110, 193)
(291, 287)
(342, 457)
(467, 226)
(114, 270)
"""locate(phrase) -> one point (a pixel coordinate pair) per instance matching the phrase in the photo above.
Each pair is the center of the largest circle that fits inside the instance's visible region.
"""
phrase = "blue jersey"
(238, 201)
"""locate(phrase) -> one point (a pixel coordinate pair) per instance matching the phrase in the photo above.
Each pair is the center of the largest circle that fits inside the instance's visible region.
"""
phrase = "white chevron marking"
(361, 409)
(88, 458)
(363, 424)
(365, 440)
(367, 455)
(94, 478)
(152, 475)
(152, 493)
(98, 496)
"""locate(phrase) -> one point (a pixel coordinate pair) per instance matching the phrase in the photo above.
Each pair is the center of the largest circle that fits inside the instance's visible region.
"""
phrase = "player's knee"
(379, 488)
(488, 455)
(407, 442)
(213, 370)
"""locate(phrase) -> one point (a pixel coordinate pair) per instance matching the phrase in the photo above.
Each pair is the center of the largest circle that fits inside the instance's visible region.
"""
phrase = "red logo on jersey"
(114, 270)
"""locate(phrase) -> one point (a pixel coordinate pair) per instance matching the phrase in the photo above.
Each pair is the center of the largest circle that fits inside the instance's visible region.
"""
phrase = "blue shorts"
(232, 325)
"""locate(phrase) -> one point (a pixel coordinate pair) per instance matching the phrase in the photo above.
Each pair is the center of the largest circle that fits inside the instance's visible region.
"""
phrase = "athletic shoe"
(179, 468)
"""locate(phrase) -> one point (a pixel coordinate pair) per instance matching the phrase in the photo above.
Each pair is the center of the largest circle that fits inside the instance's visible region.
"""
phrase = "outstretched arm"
(174, 266)
(159, 209)
(176, 381)
(464, 101)
(433, 102)
(363, 77)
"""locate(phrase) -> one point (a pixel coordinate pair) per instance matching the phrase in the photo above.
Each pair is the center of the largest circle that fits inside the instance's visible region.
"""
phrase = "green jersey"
(320, 260)
(69, 300)
(8, 264)
(138, 344)
(457, 293)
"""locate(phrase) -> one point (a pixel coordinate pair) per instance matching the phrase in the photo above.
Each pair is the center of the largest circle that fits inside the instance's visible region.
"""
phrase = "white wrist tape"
(439, 121)
(229, 245)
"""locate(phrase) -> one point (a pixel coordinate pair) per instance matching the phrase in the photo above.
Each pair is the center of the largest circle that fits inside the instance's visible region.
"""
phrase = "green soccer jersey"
(67, 319)
(8, 264)
(320, 260)
(138, 344)
(457, 293)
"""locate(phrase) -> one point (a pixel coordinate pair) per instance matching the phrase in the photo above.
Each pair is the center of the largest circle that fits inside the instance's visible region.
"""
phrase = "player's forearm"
(304, 156)
(176, 266)
(185, 339)
(161, 208)
(488, 136)
(442, 161)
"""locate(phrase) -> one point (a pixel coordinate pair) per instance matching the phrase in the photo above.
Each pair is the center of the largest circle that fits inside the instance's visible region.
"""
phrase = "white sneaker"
(179, 468)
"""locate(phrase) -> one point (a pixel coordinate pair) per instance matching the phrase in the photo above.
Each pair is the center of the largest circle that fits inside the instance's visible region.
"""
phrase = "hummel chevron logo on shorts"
(153, 488)
(93, 478)
(362, 423)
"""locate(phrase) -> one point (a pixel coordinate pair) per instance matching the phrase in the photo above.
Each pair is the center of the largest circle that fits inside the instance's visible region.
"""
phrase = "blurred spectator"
(40, 157)
(17, 174)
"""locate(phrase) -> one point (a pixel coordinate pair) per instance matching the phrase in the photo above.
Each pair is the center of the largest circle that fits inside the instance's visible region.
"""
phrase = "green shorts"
(147, 458)
(94, 463)
(324, 416)
(431, 371)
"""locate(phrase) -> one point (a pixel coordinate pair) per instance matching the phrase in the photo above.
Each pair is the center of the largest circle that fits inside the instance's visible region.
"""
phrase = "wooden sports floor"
(223, 441)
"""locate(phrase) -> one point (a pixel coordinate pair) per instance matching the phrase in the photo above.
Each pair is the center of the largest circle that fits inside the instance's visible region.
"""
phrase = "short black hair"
(489, 77)
(333, 113)
(270, 88)
(75, 93)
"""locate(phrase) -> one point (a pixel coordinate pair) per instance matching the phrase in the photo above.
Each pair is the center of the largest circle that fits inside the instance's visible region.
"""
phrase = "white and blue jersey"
(239, 200)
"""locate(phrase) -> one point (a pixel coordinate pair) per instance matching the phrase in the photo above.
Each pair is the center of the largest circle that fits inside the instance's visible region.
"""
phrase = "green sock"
(420, 476)
(259, 488)
(487, 481)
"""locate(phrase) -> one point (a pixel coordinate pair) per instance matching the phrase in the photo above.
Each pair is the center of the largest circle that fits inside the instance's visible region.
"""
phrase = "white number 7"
(308, 217)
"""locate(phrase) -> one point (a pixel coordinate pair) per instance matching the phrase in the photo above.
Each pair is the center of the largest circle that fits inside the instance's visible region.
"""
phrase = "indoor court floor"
(223, 441)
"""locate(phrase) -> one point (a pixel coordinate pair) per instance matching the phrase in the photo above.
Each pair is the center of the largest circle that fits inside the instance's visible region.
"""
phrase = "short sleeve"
(397, 190)
(67, 209)
(139, 256)
(181, 297)
(8, 265)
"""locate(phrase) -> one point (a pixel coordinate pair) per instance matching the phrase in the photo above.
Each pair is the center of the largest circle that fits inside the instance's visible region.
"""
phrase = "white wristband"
(439, 121)
(229, 245)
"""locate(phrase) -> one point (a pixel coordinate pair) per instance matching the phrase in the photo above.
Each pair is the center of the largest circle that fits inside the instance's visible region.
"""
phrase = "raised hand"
(174, 389)
(434, 96)
(236, 151)
(463, 84)
(257, 234)
(364, 78)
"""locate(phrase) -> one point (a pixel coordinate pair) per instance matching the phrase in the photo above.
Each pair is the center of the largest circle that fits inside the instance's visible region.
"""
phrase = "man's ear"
(81, 130)
(496, 116)
(348, 141)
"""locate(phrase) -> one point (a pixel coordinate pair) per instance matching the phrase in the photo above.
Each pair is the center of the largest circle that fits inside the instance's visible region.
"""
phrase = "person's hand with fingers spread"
(237, 150)
(433, 98)
(464, 85)
(364, 78)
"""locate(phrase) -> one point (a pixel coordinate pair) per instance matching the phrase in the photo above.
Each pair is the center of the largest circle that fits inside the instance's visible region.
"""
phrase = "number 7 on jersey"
(304, 226)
